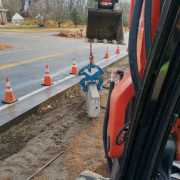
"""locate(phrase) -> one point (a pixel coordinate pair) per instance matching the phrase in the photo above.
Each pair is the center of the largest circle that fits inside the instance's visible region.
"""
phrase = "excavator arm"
(105, 23)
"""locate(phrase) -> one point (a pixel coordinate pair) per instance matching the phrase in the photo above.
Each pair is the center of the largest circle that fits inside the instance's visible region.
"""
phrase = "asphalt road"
(24, 62)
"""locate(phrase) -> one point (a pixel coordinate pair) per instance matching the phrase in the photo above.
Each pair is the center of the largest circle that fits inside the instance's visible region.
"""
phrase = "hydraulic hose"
(133, 45)
(106, 118)
(147, 26)
(105, 126)
(134, 34)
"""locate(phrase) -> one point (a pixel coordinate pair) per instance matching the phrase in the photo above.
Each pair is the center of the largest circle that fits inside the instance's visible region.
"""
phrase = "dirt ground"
(72, 32)
(58, 126)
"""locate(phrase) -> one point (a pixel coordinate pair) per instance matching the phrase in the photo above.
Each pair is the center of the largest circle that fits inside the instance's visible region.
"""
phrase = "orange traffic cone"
(74, 69)
(48, 80)
(106, 56)
(117, 50)
(9, 96)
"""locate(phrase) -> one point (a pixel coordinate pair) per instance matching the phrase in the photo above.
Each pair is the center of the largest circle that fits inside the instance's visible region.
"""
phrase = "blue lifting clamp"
(92, 74)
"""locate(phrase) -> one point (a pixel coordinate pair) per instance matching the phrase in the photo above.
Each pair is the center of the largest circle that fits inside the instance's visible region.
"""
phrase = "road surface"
(24, 62)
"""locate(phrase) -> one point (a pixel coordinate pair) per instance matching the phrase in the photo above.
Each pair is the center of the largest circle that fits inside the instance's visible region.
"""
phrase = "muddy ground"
(58, 126)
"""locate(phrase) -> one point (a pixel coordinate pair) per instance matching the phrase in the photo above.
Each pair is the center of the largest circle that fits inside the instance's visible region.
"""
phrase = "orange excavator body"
(124, 92)
(176, 133)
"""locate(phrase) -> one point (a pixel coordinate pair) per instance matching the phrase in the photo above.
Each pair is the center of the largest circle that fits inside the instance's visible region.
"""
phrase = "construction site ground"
(60, 125)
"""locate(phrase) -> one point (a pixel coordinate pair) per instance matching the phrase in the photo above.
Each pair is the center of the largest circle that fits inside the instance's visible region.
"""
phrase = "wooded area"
(59, 10)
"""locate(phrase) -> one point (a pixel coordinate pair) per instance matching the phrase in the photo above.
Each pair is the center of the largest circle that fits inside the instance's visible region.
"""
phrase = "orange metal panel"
(121, 96)
(176, 133)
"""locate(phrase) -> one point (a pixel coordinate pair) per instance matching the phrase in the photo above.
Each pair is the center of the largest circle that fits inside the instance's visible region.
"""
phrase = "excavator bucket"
(105, 25)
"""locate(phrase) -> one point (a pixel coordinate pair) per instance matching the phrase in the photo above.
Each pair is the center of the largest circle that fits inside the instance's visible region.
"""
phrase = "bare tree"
(40, 7)
(13, 6)
(59, 11)
(125, 6)
(71, 5)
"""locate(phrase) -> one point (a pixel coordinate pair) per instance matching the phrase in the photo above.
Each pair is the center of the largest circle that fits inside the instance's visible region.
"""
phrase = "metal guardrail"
(30, 101)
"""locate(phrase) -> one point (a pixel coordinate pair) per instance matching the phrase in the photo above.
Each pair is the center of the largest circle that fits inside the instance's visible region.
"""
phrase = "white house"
(17, 19)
